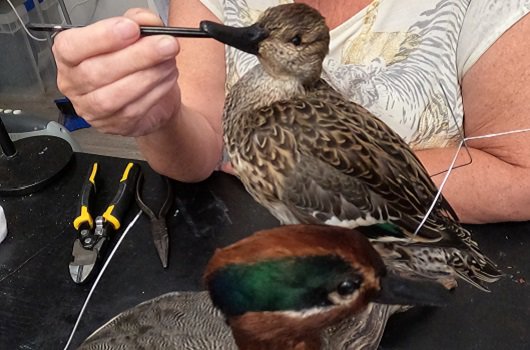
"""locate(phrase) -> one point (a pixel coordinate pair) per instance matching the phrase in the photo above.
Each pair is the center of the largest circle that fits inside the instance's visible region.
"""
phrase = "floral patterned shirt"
(402, 60)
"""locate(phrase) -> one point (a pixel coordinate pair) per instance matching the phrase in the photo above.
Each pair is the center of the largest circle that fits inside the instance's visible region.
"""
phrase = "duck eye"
(348, 286)
(296, 40)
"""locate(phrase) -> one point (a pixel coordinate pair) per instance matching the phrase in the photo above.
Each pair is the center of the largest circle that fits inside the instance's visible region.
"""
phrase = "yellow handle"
(87, 192)
(119, 204)
(114, 221)
(83, 217)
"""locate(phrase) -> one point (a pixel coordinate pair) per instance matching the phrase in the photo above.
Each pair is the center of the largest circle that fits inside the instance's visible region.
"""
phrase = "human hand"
(117, 81)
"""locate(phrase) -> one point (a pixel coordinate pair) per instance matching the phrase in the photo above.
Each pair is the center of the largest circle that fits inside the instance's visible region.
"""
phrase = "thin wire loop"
(24, 25)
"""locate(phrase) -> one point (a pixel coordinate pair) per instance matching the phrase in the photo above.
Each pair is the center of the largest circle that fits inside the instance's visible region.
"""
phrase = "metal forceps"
(158, 222)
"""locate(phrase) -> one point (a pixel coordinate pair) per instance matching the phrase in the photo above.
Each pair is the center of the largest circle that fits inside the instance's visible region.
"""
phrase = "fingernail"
(126, 29)
(167, 47)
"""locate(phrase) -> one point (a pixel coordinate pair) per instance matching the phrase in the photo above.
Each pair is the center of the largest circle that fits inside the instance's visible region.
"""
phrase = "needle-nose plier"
(94, 234)
(158, 222)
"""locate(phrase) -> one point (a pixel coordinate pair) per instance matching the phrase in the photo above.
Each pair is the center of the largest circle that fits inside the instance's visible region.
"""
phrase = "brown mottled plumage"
(311, 156)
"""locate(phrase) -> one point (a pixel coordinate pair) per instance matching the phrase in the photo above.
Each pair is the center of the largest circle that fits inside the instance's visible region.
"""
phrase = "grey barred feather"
(367, 326)
(189, 321)
(179, 320)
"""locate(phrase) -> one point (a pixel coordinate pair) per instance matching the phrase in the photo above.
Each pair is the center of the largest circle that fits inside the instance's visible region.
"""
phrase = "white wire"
(439, 193)
(451, 167)
(22, 23)
(131, 224)
(518, 131)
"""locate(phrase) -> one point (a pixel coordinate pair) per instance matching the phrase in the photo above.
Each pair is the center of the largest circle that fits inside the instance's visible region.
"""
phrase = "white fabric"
(402, 60)
(485, 22)
(3, 225)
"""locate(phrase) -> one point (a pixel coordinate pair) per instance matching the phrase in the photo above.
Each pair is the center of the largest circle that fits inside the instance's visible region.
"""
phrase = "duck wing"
(177, 320)
(347, 164)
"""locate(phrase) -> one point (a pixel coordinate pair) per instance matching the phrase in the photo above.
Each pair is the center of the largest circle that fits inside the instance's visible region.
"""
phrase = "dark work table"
(39, 303)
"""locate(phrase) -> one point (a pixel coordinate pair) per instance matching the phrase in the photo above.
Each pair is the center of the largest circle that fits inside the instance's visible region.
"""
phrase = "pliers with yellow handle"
(94, 234)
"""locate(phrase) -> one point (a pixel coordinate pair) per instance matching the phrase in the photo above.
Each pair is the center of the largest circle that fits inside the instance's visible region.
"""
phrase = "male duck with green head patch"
(281, 288)
(277, 289)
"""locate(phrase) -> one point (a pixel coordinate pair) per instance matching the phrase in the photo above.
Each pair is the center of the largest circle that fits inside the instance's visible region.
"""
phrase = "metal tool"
(94, 234)
(144, 30)
(158, 222)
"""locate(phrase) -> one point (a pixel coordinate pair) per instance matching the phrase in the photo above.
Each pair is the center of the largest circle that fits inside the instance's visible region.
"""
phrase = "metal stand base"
(37, 161)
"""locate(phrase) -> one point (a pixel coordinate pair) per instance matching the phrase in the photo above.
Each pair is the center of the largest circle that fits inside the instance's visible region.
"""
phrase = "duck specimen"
(277, 289)
(280, 288)
(311, 156)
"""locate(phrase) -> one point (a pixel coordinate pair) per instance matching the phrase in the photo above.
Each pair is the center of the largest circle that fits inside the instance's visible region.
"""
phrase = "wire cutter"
(158, 222)
(94, 235)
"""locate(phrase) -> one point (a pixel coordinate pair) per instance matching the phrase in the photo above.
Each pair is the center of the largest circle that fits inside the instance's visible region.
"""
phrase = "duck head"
(289, 40)
(283, 286)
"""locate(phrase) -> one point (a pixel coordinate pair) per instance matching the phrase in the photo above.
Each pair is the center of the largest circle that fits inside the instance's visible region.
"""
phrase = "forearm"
(487, 189)
(187, 148)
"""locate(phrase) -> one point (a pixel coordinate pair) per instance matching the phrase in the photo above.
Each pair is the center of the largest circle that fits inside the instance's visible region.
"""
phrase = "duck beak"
(243, 38)
(405, 291)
